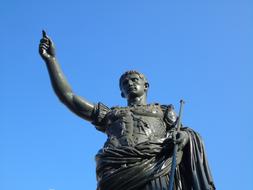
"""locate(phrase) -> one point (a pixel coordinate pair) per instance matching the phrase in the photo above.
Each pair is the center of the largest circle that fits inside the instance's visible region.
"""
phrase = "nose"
(130, 82)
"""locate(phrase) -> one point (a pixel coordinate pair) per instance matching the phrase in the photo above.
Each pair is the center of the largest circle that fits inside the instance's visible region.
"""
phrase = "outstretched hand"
(46, 47)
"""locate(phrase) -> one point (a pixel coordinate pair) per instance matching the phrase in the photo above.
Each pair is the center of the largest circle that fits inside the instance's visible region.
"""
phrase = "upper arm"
(80, 106)
(94, 113)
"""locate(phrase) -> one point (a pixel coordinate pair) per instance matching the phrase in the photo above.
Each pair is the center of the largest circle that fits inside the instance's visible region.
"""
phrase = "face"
(133, 86)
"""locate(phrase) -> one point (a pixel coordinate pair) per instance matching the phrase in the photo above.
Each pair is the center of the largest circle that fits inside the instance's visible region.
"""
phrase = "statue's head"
(133, 84)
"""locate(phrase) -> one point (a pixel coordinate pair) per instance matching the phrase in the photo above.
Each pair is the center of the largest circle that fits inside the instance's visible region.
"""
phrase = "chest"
(136, 121)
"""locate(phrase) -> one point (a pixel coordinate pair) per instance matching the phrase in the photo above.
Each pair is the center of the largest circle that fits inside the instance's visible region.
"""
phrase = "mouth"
(132, 88)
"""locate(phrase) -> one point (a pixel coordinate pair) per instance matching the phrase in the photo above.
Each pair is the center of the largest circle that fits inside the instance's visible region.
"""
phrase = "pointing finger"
(44, 34)
(46, 37)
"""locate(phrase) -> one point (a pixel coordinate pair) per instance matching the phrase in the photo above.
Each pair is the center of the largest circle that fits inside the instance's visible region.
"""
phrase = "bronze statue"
(138, 152)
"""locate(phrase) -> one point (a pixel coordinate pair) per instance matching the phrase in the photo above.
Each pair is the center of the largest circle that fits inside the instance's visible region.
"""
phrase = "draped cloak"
(146, 165)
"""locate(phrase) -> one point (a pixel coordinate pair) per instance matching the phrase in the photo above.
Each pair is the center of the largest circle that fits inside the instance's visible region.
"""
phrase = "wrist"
(49, 59)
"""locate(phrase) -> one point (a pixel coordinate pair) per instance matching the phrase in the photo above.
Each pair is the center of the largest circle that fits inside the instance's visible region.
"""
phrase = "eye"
(135, 79)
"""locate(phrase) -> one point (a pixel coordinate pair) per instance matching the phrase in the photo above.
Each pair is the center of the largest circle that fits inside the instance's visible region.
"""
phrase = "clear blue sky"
(201, 51)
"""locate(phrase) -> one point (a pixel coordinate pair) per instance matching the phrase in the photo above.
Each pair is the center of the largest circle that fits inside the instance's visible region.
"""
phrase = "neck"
(137, 101)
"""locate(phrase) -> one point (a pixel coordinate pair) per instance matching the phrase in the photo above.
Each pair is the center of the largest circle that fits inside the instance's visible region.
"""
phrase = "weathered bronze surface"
(138, 152)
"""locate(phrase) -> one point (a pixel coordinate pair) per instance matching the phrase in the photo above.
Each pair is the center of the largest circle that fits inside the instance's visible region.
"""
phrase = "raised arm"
(78, 105)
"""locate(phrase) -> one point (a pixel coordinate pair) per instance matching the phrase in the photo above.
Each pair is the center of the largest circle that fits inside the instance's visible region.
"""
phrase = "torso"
(126, 126)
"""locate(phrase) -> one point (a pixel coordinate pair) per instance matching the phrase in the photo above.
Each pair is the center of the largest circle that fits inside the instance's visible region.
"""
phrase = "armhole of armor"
(170, 116)
(99, 114)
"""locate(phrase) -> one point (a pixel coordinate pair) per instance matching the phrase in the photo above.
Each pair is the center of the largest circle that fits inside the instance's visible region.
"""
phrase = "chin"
(135, 95)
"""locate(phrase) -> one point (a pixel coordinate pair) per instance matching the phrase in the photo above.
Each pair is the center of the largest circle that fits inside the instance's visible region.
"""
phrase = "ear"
(122, 95)
(146, 85)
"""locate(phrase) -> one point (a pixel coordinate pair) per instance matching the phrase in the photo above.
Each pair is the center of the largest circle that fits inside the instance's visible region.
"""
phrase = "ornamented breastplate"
(132, 125)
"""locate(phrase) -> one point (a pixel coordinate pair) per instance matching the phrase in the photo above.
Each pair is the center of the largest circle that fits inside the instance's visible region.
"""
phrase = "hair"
(129, 73)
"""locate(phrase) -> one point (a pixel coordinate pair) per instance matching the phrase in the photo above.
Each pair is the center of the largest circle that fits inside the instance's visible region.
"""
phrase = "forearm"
(58, 81)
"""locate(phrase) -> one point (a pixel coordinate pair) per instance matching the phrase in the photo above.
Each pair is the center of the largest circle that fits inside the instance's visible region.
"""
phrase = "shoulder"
(170, 116)
(99, 113)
